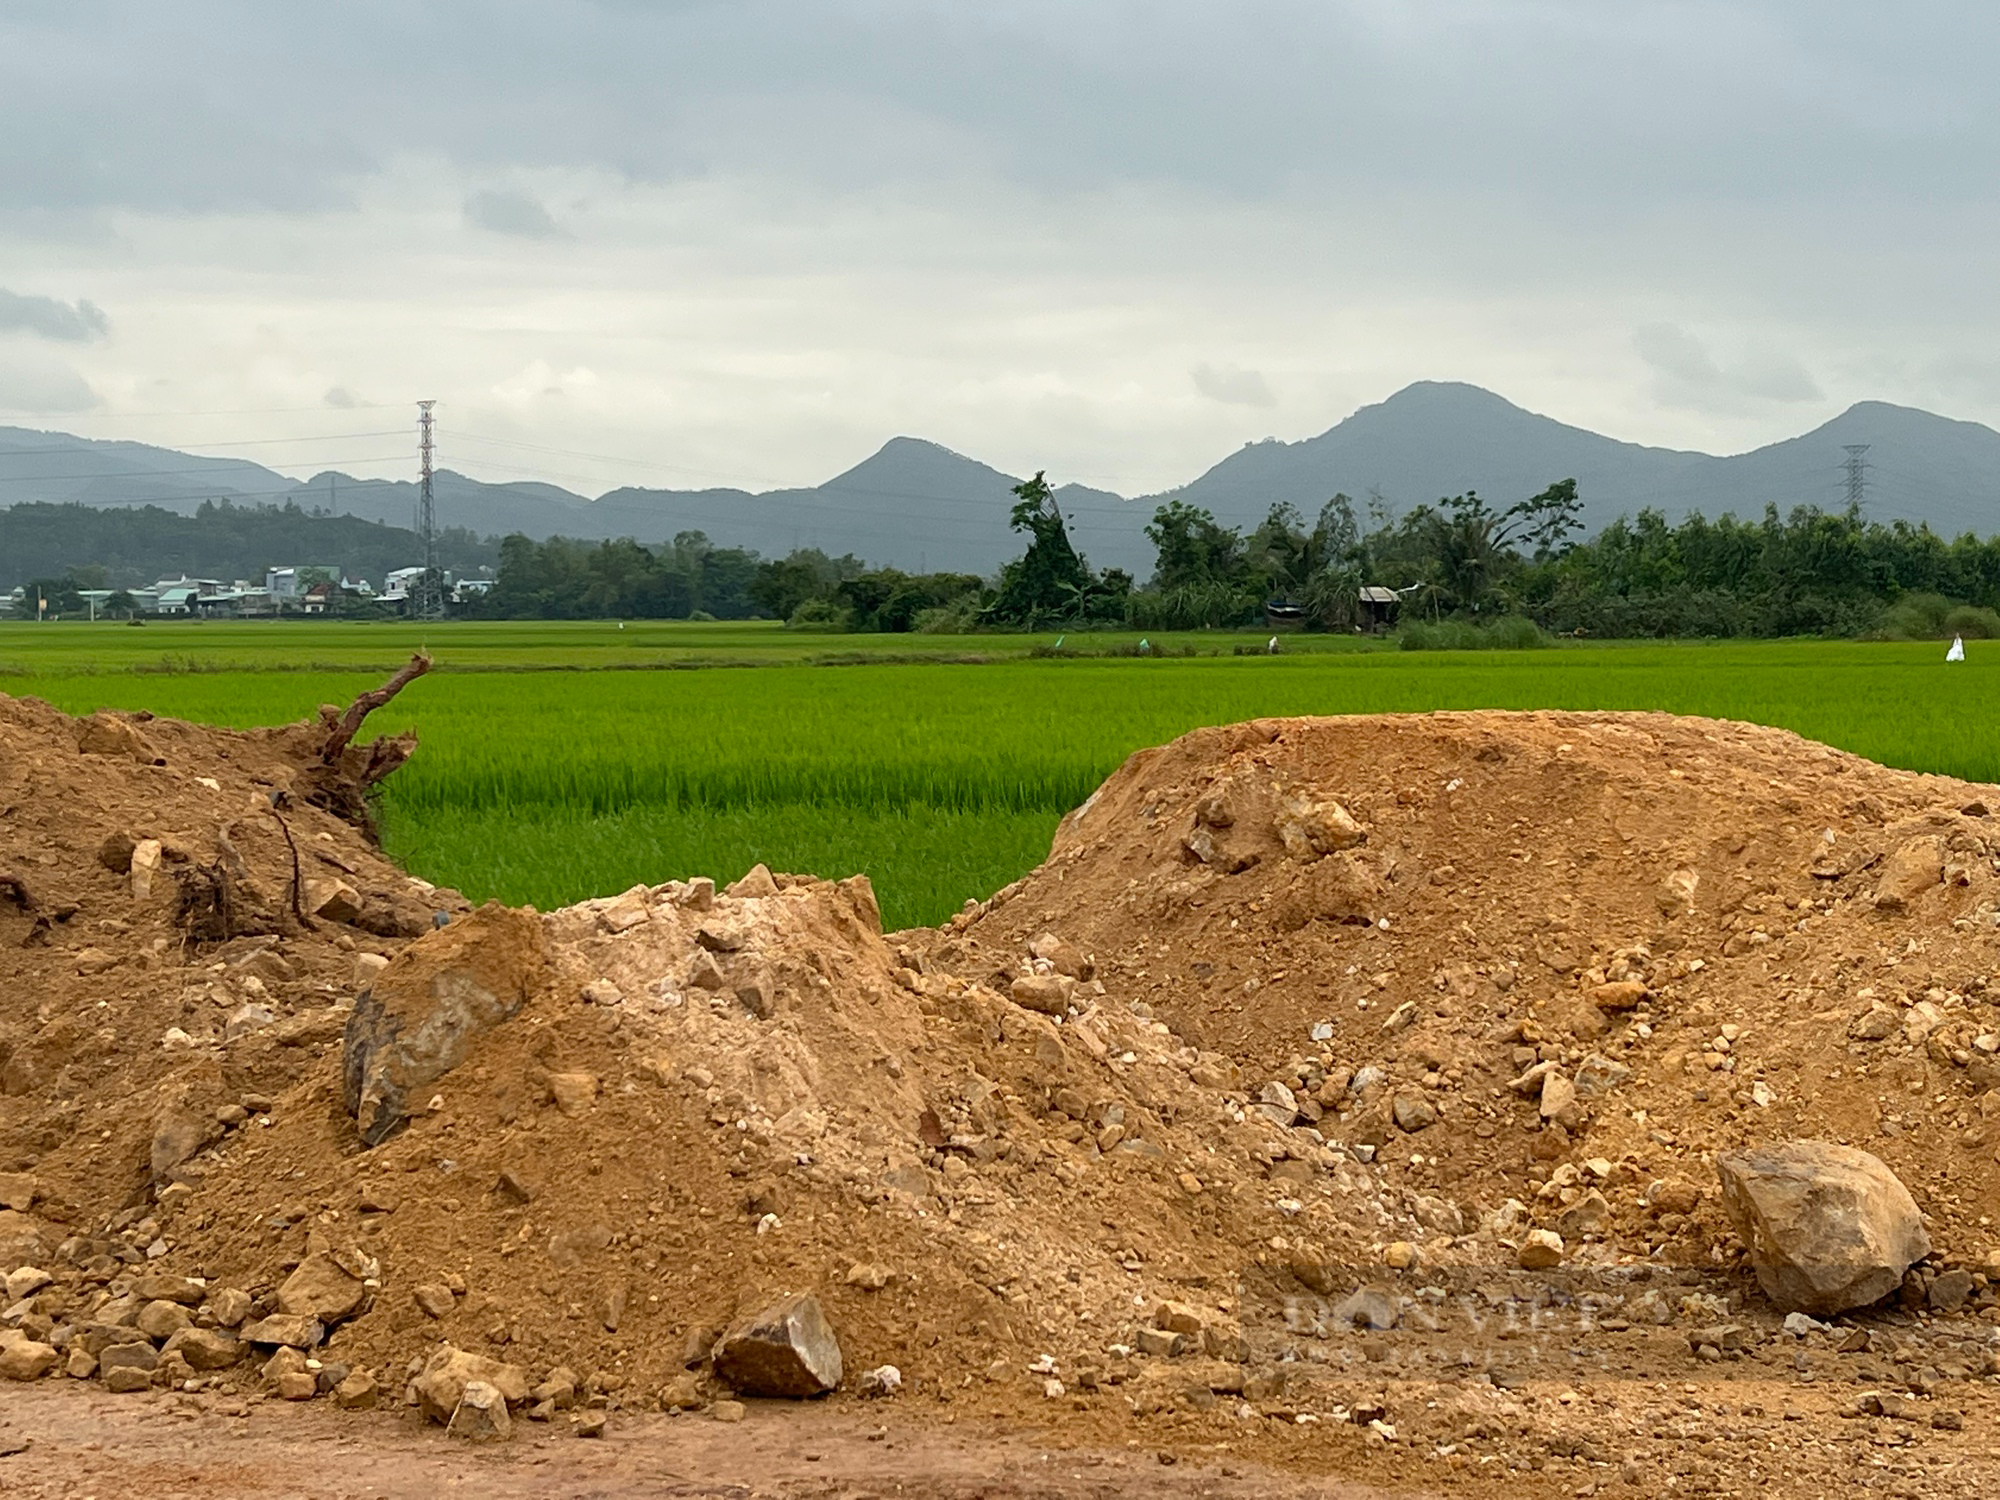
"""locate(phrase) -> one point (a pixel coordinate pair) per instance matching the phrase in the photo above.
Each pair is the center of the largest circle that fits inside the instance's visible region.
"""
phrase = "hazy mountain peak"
(1446, 394)
(902, 460)
(1887, 416)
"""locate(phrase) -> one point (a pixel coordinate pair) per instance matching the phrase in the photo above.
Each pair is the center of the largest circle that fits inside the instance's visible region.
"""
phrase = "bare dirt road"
(71, 1443)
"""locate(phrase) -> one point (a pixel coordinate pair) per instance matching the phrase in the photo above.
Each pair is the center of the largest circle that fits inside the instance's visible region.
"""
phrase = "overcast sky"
(689, 243)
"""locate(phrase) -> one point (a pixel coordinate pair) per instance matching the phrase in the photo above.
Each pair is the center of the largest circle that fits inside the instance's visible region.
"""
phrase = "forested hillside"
(129, 548)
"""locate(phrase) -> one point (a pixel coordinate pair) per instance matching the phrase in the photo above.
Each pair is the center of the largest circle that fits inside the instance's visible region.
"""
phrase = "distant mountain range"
(1434, 439)
(919, 506)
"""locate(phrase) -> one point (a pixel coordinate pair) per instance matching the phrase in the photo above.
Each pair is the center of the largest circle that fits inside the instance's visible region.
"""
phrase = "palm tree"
(1467, 543)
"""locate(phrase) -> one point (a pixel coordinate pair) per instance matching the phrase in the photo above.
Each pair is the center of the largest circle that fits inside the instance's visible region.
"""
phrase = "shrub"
(1508, 633)
(1932, 617)
(821, 615)
(1973, 622)
(1192, 606)
(1914, 617)
(960, 617)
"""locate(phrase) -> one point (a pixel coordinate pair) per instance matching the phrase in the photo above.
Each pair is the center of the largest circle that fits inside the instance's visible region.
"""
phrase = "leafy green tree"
(561, 579)
(1811, 572)
(1050, 580)
(1474, 548)
(891, 600)
(1547, 520)
(1191, 547)
(722, 582)
(781, 585)
(1332, 597)
(1468, 548)
(1289, 556)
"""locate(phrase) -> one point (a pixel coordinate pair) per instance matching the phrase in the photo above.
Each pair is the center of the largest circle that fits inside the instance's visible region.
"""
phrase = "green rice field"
(942, 779)
(188, 646)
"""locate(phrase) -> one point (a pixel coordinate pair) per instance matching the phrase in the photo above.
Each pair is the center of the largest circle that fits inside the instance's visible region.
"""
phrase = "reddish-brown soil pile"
(126, 844)
(1761, 937)
(1295, 1010)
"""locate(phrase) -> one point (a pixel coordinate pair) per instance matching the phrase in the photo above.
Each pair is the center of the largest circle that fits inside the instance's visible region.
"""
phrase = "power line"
(606, 458)
(324, 437)
(317, 437)
(234, 466)
(239, 411)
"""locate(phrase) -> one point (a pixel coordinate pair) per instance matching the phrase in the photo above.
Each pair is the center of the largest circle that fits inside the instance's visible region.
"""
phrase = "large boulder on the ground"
(286, 1331)
(204, 1348)
(112, 734)
(480, 1415)
(427, 1010)
(323, 1288)
(448, 1373)
(1828, 1227)
(23, 1358)
(178, 1134)
(23, 1240)
(1916, 866)
(784, 1350)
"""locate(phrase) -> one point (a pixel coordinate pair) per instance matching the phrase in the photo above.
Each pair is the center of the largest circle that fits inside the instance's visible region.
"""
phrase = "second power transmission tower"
(1857, 473)
(427, 602)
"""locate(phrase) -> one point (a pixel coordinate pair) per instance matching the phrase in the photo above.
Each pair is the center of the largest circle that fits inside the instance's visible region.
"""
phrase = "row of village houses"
(300, 590)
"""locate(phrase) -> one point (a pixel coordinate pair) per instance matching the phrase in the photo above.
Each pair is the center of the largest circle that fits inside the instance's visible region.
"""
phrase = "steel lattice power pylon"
(1857, 473)
(427, 600)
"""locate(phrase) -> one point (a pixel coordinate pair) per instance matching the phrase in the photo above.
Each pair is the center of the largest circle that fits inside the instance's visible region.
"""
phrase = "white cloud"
(1232, 386)
(1687, 374)
(1775, 376)
(538, 380)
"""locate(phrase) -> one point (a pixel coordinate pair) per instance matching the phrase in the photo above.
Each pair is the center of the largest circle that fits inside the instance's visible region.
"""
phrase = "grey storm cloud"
(511, 213)
(70, 322)
(1098, 220)
(204, 106)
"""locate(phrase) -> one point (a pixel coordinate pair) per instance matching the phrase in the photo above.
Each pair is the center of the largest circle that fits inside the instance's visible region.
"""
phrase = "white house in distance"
(397, 585)
(282, 591)
(287, 585)
(182, 596)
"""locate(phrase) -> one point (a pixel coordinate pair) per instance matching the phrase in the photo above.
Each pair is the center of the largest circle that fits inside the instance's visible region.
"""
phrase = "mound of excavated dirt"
(1716, 933)
(1279, 1079)
(152, 952)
